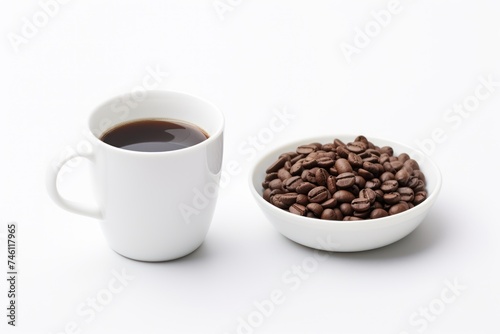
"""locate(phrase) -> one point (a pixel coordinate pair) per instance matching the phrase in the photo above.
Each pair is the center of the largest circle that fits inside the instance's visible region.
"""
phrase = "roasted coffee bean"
(343, 166)
(287, 155)
(345, 180)
(419, 197)
(371, 167)
(364, 155)
(360, 204)
(317, 155)
(388, 150)
(418, 173)
(305, 187)
(297, 168)
(332, 214)
(396, 164)
(388, 167)
(302, 199)
(306, 149)
(308, 175)
(297, 158)
(354, 190)
(363, 139)
(380, 195)
(357, 181)
(346, 209)
(386, 176)
(389, 186)
(321, 176)
(293, 182)
(384, 157)
(331, 184)
(318, 145)
(413, 182)
(342, 152)
(365, 174)
(272, 176)
(398, 208)
(373, 151)
(309, 162)
(298, 209)
(380, 168)
(392, 198)
(267, 194)
(328, 147)
(362, 214)
(355, 160)
(357, 147)
(368, 194)
(403, 157)
(277, 165)
(408, 169)
(337, 142)
(325, 162)
(315, 208)
(378, 213)
(313, 156)
(325, 157)
(286, 198)
(318, 195)
(328, 214)
(276, 192)
(330, 154)
(406, 193)
(411, 163)
(283, 174)
(276, 184)
(360, 181)
(402, 176)
(420, 186)
(351, 218)
(343, 196)
(373, 184)
(329, 203)
(276, 201)
(370, 158)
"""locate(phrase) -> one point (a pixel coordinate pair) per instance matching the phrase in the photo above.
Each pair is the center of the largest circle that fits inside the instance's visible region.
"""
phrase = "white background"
(258, 57)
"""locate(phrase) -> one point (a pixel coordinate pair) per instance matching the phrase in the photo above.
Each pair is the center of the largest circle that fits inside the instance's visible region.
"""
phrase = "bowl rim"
(389, 220)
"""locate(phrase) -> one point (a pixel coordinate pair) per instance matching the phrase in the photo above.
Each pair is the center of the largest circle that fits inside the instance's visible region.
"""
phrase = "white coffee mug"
(153, 206)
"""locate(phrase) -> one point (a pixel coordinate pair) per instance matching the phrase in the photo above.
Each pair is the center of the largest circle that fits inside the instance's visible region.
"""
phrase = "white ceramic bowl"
(345, 236)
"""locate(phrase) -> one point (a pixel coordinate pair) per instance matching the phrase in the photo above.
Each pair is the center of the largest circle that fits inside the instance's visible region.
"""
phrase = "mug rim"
(162, 93)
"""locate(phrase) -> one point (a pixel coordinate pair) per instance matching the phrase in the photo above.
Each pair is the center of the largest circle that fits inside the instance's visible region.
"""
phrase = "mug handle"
(72, 206)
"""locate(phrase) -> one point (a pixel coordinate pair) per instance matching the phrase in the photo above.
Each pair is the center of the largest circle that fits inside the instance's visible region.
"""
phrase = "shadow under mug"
(153, 206)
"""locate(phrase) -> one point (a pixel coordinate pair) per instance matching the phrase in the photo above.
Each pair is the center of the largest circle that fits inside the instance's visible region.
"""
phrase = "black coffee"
(154, 135)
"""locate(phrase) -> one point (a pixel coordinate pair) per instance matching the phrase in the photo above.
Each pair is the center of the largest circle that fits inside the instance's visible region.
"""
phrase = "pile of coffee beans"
(338, 181)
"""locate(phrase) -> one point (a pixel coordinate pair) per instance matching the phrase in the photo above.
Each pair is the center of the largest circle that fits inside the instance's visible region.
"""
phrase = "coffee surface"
(154, 135)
